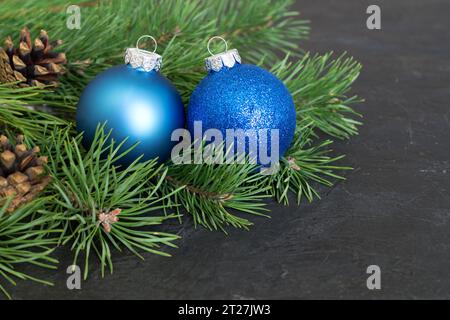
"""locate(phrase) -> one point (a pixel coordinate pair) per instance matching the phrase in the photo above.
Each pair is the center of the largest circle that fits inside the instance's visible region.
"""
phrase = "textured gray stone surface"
(393, 211)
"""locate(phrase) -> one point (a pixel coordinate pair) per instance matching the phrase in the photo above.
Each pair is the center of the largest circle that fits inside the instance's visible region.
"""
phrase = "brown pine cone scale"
(22, 172)
(31, 64)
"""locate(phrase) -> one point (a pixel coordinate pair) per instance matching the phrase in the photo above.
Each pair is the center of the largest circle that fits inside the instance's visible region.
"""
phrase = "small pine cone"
(22, 172)
(31, 64)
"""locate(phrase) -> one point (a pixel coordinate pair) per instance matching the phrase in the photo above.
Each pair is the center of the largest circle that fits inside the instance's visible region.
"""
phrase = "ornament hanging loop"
(214, 38)
(226, 58)
(143, 59)
(144, 37)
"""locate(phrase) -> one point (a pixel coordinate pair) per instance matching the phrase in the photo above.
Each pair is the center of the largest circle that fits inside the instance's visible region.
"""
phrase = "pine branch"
(213, 193)
(26, 236)
(261, 28)
(305, 163)
(319, 86)
(92, 192)
(257, 28)
(19, 110)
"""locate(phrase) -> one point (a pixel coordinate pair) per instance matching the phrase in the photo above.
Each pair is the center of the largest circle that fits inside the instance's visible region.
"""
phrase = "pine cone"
(31, 64)
(22, 173)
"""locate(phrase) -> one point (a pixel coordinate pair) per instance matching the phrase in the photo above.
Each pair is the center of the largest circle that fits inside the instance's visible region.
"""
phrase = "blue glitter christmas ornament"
(137, 103)
(243, 96)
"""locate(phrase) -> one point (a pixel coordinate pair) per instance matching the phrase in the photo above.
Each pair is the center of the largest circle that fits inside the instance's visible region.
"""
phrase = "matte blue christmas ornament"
(242, 96)
(137, 103)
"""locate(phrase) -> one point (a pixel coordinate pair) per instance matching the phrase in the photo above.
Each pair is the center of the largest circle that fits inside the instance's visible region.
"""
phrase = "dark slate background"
(393, 210)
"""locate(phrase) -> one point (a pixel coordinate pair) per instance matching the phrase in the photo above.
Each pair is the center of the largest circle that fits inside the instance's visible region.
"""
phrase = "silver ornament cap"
(143, 59)
(228, 58)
